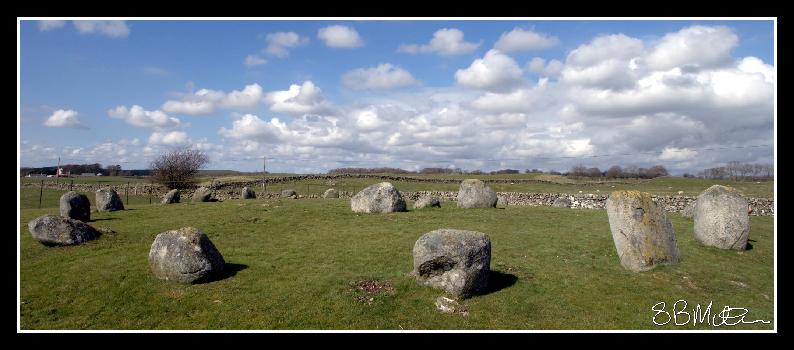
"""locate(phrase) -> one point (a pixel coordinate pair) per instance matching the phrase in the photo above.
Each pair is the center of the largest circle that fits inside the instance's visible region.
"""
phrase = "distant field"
(546, 183)
(292, 263)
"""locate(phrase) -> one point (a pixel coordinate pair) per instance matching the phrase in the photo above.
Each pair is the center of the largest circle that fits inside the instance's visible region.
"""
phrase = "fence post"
(70, 185)
(41, 190)
(127, 193)
(150, 194)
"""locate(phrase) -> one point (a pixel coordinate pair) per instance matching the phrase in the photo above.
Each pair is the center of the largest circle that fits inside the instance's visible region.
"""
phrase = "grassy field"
(292, 263)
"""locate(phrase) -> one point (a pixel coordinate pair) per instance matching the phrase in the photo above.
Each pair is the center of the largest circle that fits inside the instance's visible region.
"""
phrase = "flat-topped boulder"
(247, 193)
(76, 206)
(185, 255)
(108, 200)
(722, 218)
(378, 198)
(427, 202)
(474, 193)
(289, 193)
(641, 231)
(561, 202)
(173, 196)
(56, 230)
(202, 194)
(457, 261)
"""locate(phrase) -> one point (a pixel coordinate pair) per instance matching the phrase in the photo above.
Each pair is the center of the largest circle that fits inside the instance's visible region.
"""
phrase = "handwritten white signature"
(729, 316)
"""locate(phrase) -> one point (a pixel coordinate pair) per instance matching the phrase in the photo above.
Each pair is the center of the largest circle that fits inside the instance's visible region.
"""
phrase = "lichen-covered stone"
(108, 200)
(722, 219)
(202, 194)
(76, 206)
(641, 231)
(331, 193)
(457, 261)
(474, 193)
(185, 255)
(52, 230)
(427, 202)
(173, 196)
(378, 198)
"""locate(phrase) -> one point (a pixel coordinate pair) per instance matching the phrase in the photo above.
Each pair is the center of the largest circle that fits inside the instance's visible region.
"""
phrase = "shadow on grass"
(229, 270)
(497, 281)
(95, 220)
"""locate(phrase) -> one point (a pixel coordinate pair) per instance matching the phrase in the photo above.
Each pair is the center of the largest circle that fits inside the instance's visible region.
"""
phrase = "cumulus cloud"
(279, 43)
(698, 46)
(50, 25)
(301, 99)
(677, 154)
(524, 40)
(141, 118)
(551, 69)
(254, 60)
(170, 138)
(339, 36)
(111, 29)
(447, 42)
(384, 76)
(64, 119)
(206, 101)
(494, 72)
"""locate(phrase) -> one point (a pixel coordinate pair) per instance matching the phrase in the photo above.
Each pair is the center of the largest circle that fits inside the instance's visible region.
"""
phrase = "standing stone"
(561, 202)
(202, 194)
(689, 210)
(721, 218)
(173, 196)
(456, 261)
(185, 255)
(331, 193)
(427, 202)
(76, 206)
(474, 193)
(378, 198)
(289, 193)
(52, 230)
(108, 200)
(501, 202)
(642, 233)
(247, 193)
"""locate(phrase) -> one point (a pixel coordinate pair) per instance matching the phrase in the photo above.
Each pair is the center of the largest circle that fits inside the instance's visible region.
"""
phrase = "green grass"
(294, 261)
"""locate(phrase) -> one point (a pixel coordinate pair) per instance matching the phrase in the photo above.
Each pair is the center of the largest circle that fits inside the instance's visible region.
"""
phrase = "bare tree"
(178, 168)
(615, 172)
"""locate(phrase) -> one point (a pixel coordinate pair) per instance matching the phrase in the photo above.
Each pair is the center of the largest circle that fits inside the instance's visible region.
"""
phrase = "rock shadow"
(229, 270)
(497, 281)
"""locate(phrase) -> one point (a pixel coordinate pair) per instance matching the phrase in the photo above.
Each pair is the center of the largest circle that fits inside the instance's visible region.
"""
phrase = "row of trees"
(739, 171)
(618, 172)
(77, 169)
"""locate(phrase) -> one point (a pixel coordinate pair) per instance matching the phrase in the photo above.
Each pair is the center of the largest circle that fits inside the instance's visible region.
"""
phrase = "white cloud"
(699, 46)
(254, 60)
(139, 117)
(384, 76)
(494, 72)
(604, 48)
(525, 40)
(170, 138)
(677, 154)
(64, 119)
(298, 100)
(279, 43)
(51, 24)
(206, 101)
(339, 36)
(538, 65)
(445, 42)
(112, 29)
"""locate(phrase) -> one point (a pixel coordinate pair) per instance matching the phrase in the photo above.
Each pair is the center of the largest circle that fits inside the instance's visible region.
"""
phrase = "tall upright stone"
(378, 198)
(474, 193)
(641, 231)
(76, 206)
(247, 193)
(108, 200)
(722, 219)
(173, 196)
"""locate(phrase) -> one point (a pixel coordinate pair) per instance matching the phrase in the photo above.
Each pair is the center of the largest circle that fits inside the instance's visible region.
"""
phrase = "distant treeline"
(739, 171)
(422, 171)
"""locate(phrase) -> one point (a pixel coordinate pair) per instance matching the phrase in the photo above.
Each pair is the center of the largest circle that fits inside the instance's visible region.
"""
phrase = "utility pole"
(264, 171)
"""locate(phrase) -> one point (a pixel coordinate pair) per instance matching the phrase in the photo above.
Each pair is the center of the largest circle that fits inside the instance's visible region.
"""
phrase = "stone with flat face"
(378, 198)
(108, 200)
(722, 219)
(474, 193)
(457, 261)
(56, 230)
(173, 196)
(185, 255)
(76, 206)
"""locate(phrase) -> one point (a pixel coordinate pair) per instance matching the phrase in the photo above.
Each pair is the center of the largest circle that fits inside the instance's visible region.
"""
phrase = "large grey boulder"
(722, 219)
(456, 261)
(202, 194)
(689, 210)
(378, 198)
(474, 193)
(331, 193)
(427, 202)
(288, 193)
(76, 206)
(108, 200)
(173, 196)
(561, 202)
(247, 193)
(642, 233)
(185, 255)
(52, 230)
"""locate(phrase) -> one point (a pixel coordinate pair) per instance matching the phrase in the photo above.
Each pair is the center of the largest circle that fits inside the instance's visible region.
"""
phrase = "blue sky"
(472, 101)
